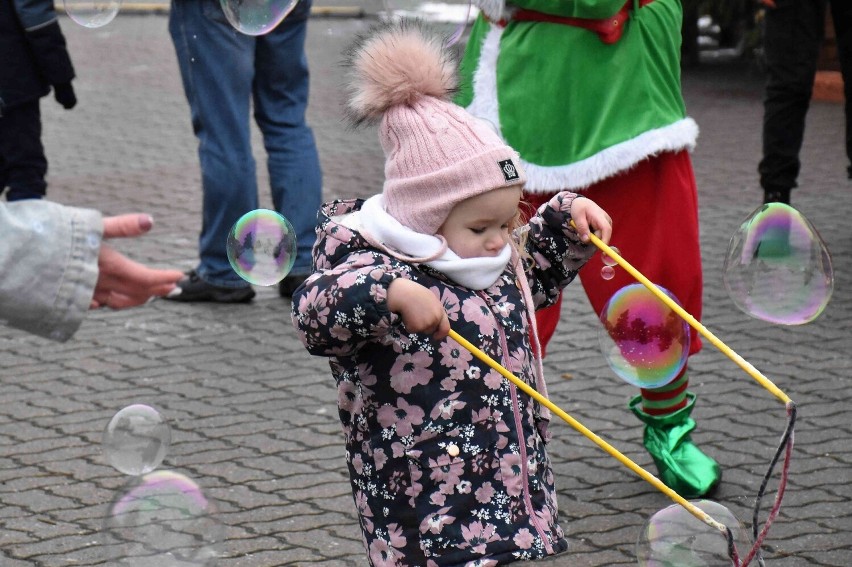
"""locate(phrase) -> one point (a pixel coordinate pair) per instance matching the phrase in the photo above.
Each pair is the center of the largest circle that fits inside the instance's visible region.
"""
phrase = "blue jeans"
(224, 72)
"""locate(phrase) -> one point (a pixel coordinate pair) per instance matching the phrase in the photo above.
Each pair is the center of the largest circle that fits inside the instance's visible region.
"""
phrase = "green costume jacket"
(576, 108)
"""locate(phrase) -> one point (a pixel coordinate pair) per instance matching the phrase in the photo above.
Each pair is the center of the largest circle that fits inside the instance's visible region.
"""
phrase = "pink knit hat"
(437, 154)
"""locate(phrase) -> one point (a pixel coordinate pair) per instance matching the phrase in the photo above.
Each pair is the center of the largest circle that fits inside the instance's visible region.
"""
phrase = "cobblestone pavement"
(253, 415)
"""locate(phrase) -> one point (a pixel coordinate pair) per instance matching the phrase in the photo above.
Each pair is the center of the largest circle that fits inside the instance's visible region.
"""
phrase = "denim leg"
(217, 68)
(794, 33)
(22, 156)
(280, 100)
(841, 13)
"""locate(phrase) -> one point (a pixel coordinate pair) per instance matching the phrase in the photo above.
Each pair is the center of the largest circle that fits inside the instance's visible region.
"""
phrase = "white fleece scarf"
(385, 232)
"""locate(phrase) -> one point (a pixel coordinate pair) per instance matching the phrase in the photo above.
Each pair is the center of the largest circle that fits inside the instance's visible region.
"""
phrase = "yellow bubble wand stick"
(612, 451)
(786, 444)
(556, 410)
(693, 322)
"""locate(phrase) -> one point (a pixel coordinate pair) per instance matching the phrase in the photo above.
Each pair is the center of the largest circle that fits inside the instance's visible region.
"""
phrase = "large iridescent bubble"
(673, 537)
(164, 519)
(644, 341)
(777, 267)
(256, 17)
(136, 439)
(92, 13)
(261, 247)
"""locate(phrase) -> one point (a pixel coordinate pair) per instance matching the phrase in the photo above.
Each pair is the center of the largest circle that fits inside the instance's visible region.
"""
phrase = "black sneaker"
(193, 288)
(288, 285)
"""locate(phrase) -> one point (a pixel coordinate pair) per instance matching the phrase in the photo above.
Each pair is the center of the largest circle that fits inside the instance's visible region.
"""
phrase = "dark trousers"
(794, 34)
(23, 165)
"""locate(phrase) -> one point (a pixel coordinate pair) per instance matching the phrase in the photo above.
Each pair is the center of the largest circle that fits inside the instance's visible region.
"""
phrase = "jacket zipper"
(522, 442)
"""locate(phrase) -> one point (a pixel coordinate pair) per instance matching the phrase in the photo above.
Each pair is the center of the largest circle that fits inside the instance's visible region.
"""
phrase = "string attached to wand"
(787, 442)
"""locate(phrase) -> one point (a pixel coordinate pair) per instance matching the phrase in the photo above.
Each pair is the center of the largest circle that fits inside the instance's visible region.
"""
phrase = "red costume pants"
(654, 210)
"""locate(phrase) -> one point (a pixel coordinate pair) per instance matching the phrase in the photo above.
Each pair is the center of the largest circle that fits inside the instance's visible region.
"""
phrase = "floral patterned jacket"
(446, 459)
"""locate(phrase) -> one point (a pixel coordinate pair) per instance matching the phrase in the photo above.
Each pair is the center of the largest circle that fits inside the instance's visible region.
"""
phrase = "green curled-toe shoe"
(682, 466)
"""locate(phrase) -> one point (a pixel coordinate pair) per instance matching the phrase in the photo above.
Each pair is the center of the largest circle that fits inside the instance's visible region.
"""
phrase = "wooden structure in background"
(828, 84)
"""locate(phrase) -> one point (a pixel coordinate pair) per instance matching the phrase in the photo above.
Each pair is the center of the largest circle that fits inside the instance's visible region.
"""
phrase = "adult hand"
(122, 282)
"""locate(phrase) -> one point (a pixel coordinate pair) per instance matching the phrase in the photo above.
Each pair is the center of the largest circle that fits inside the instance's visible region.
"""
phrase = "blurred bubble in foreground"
(674, 537)
(164, 519)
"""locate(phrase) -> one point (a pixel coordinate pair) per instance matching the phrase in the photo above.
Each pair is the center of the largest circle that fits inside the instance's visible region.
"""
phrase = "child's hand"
(420, 310)
(586, 213)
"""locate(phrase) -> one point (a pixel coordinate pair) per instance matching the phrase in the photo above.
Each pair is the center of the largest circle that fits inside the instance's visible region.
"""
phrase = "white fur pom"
(397, 63)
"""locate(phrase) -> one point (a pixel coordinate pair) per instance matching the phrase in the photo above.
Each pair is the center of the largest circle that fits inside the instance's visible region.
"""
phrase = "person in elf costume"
(588, 92)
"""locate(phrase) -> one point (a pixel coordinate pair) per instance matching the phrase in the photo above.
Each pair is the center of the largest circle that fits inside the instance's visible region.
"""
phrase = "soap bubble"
(262, 247)
(92, 13)
(777, 267)
(164, 519)
(448, 18)
(608, 270)
(608, 260)
(136, 439)
(447, 12)
(644, 341)
(674, 537)
(256, 17)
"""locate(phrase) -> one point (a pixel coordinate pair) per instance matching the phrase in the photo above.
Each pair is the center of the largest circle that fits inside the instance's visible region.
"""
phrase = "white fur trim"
(615, 159)
(575, 176)
(484, 104)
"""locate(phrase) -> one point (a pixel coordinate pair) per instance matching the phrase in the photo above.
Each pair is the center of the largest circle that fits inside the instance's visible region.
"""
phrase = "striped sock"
(667, 399)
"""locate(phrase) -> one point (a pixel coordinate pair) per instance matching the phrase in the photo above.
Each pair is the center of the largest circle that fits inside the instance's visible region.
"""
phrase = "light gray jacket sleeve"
(48, 266)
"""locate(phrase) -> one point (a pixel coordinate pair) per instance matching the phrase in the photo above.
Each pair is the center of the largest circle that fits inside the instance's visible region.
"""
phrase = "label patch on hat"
(510, 172)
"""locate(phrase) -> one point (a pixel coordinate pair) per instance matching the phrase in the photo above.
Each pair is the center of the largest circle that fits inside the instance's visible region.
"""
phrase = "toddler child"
(447, 459)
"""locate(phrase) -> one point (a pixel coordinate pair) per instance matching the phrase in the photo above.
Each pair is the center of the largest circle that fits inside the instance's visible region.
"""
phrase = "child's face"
(479, 226)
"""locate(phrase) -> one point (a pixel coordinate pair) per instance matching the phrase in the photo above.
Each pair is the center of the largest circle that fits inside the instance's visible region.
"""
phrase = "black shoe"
(776, 195)
(288, 285)
(193, 288)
